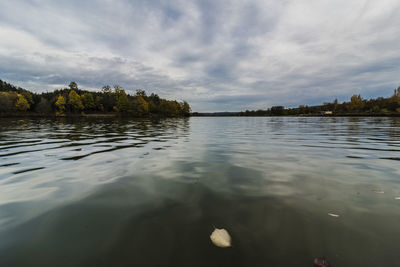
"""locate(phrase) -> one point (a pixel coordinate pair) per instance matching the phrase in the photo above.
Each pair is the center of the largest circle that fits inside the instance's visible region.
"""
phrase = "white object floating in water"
(333, 215)
(398, 198)
(221, 238)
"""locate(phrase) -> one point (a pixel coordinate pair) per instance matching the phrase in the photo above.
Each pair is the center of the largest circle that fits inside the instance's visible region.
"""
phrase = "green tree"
(6, 102)
(88, 101)
(140, 92)
(335, 105)
(43, 106)
(108, 101)
(185, 108)
(122, 101)
(396, 96)
(154, 98)
(397, 92)
(73, 86)
(22, 104)
(106, 89)
(141, 106)
(154, 102)
(28, 97)
(356, 103)
(74, 100)
(303, 109)
(277, 110)
(169, 108)
(99, 103)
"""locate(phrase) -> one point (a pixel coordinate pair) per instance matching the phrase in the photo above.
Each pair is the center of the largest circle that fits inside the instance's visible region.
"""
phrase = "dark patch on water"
(28, 170)
(391, 158)
(9, 164)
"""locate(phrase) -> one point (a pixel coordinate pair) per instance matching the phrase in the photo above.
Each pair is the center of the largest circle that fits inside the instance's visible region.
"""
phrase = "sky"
(217, 55)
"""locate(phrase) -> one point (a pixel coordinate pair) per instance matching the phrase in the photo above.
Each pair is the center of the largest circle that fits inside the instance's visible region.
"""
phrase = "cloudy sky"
(218, 55)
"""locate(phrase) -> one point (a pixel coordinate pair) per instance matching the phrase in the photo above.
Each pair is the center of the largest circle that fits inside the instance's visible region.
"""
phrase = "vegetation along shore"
(73, 101)
(356, 106)
(109, 102)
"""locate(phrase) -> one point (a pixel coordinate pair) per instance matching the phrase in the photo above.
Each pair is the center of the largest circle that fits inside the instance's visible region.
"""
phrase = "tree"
(154, 102)
(277, 110)
(141, 106)
(140, 92)
(88, 101)
(22, 104)
(73, 86)
(28, 97)
(303, 109)
(74, 100)
(60, 105)
(6, 102)
(397, 92)
(356, 103)
(106, 89)
(122, 101)
(108, 101)
(396, 96)
(169, 108)
(335, 104)
(99, 103)
(43, 106)
(185, 108)
(154, 98)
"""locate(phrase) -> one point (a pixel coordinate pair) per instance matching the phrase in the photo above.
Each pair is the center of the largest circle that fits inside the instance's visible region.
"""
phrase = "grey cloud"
(218, 55)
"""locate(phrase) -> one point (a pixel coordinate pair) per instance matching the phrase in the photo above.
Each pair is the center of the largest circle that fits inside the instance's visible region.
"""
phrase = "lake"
(129, 192)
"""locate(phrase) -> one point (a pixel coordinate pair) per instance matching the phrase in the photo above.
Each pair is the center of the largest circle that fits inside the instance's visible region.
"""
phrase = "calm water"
(149, 192)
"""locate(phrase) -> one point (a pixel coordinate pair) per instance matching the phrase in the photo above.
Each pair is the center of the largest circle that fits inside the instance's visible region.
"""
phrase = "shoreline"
(90, 115)
(305, 116)
(115, 115)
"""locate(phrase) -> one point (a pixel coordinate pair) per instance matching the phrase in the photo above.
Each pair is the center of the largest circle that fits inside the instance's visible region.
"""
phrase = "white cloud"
(218, 55)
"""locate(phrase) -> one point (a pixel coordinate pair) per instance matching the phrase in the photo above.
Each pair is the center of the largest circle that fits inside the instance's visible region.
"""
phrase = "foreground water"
(149, 192)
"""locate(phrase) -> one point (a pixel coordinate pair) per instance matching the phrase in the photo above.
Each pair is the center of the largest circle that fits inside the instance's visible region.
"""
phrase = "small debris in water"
(397, 198)
(221, 238)
(333, 215)
(378, 191)
(321, 262)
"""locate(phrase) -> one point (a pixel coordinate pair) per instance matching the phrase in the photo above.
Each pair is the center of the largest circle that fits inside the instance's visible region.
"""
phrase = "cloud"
(218, 55)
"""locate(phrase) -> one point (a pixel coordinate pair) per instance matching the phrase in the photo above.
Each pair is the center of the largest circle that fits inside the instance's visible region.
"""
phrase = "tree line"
(381, 106)
(73, 100)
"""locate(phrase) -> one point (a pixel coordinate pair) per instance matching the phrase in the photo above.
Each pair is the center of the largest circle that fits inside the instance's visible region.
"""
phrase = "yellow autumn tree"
(60, 106)
(74, 100)
(22, 104)
(142, 105)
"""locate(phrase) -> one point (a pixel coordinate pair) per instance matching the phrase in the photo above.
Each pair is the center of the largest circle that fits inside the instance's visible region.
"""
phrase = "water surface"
(125, 192)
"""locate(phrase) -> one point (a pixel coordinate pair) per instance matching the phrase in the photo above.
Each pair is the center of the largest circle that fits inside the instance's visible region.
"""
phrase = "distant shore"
(117, 115)
(300, 115)
(72, 115)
